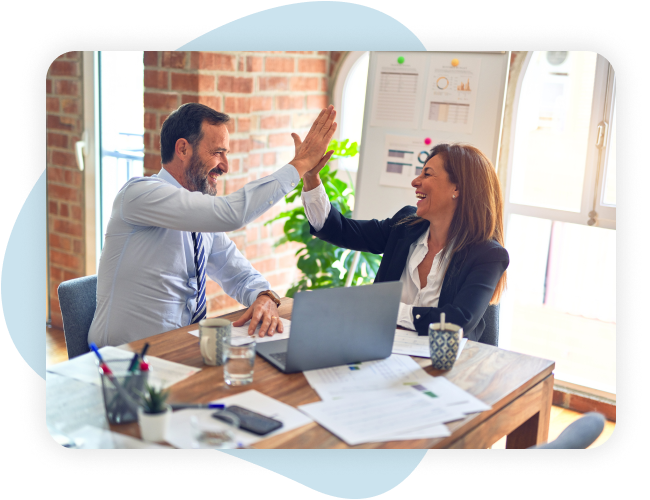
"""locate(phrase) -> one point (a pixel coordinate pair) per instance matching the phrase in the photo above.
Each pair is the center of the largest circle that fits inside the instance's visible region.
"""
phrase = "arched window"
(349, 97)
(560, 204)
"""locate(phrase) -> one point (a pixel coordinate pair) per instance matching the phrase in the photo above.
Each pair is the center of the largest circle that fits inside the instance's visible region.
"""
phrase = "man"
(166, 232)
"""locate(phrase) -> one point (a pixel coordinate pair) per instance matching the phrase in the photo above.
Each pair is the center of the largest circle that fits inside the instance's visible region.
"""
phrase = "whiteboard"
(403, 109)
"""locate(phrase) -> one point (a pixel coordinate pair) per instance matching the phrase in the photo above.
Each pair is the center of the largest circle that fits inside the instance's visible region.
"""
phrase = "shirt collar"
(166, 176)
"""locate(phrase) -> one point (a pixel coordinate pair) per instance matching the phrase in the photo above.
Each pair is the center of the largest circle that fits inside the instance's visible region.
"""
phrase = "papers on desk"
(163, 373)
(386, 400)
(241, 332)
(180, 433)
(409, 342)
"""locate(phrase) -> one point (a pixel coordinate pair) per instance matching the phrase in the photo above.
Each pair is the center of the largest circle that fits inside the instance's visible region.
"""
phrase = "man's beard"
(196, 179)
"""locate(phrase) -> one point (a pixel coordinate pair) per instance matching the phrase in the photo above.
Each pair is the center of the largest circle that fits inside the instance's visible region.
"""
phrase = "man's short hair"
(186, 123)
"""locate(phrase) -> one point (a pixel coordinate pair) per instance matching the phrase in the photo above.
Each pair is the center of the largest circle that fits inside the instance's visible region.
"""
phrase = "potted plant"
(154, 414)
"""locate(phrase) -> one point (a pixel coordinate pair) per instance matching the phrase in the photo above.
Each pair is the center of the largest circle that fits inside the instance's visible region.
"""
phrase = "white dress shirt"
(146, 282)
(317, 208)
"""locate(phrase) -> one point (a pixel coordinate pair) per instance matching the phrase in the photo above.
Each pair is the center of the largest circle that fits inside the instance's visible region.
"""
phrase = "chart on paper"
(405, 157)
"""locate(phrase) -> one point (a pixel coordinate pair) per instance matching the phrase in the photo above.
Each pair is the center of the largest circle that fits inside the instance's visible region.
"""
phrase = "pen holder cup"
(122, 405)
(443, 344)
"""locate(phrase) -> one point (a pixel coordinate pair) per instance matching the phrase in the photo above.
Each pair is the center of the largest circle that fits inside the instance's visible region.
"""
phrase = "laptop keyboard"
(281, 357)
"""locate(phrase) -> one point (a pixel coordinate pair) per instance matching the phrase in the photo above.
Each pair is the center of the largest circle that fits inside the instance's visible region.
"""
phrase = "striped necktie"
(199, 262)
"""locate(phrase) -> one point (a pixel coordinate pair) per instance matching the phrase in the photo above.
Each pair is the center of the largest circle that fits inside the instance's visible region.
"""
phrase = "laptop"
(337, 326)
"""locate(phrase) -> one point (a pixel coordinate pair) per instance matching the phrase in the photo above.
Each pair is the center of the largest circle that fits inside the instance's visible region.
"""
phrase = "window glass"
(609, 193)
(552, 128)
(121, 98)
(352, 106)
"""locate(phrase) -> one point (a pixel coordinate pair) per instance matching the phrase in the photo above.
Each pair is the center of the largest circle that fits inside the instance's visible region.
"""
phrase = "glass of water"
(238, 360)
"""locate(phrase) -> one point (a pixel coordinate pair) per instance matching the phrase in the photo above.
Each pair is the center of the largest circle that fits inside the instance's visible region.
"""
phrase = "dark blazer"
(469, 282)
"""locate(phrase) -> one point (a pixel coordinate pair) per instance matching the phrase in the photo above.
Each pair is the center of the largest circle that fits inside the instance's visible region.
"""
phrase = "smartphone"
(251, 421)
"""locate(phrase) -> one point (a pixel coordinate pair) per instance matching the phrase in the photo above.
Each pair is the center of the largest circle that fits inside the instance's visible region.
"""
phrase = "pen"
(144, 351)
(133, 364)
(214, 406)
(102, 365)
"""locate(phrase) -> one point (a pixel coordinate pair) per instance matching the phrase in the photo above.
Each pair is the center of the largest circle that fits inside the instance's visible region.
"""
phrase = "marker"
(102, 365)
(133, 364)
(208, 406)
(144, 350)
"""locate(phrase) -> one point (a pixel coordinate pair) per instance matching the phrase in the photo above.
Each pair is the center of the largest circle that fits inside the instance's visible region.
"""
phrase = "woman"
(448, 251)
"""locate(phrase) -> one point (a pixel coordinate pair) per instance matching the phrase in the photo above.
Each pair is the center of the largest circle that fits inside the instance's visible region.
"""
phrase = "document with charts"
(403, 161)
(451, 91)
(398, 82)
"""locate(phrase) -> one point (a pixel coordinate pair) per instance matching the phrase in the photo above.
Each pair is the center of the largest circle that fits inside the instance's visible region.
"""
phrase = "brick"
(278, 140)
(302, 83)
(152, 162)
(185, 81)
(63, 193)
(161, 101)
(58, 241)
(150, 58)
(275, 121)
(316, 101)
(254, 160)
(280, 280)
(48, 86)
(150, 121)
(279, 65)
(324, 84)
(53, 208)
(70, 106)
(304, 120)
(252, 234)
(77, 246)
(238, 239)
(234, 166)
(66, 87)
(61, 122)
(261, 103)
(66, 227)
(258, 141)
(185, 98)
(213, 61)
(233, 185)
(290, 101)
(76, 212)
(230, 126)
(64, 209)
(312, 65)
(240, 145)
(156, 142)
(73, 177)
(52, 104)
(241, 85)
(156, 79)
(288, 261)
(253, 64)
(264, 230)
(243, 124)
(64, 159)
(65, 259)
(273, 83)
(55, 275)
(68, 275)
(176, 59)
(214, 102)
(64, 68)
(56, 175)
(268, 264)
(268, 159)
(238, 104)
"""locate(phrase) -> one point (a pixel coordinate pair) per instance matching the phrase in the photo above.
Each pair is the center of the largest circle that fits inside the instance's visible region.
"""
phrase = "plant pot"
(153, 426)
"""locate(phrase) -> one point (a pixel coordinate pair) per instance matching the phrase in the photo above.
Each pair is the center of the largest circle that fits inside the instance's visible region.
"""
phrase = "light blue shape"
(340, 473)
(311, 26)
(23, 270)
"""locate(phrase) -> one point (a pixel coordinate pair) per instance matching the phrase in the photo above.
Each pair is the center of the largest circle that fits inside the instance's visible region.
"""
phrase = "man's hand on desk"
(262, 311)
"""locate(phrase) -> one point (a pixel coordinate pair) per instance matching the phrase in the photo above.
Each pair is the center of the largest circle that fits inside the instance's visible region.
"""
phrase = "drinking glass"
(238, 360)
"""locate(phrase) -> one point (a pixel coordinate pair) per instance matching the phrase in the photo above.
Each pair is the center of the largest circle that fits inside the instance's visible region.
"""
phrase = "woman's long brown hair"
(479, 213)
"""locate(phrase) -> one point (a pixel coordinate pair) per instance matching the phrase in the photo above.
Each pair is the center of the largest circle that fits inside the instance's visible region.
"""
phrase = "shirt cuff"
(317, 206)
(288, 177)
(405, 316)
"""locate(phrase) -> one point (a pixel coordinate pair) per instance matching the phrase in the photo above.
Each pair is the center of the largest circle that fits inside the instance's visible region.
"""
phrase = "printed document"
(410, 343)
(241, 332)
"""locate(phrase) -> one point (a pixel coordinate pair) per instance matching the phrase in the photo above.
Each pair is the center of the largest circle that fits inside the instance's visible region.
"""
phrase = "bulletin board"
(415, 100)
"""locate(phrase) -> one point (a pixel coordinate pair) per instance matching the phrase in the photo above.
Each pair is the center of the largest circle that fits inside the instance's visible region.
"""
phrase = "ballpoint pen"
(109, 374)
(214, 406)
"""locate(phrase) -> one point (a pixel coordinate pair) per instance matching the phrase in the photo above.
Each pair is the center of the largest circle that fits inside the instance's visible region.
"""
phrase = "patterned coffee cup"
(212, 334)
(444, 339)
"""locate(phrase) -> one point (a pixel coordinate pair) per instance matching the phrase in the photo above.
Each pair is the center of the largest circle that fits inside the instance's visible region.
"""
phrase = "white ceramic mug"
(212, 333)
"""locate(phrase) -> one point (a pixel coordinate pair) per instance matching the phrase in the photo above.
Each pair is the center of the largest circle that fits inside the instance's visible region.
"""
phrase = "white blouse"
(317, 208)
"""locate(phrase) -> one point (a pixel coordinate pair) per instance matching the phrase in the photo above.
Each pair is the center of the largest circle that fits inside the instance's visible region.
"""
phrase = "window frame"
(592, 212)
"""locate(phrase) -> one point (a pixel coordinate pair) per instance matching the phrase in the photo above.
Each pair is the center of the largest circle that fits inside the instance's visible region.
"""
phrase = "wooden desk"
(518, 387)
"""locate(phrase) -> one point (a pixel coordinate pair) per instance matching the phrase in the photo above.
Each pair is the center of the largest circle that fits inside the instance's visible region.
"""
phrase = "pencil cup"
(121, 404)
(212, 335)
(444, 339)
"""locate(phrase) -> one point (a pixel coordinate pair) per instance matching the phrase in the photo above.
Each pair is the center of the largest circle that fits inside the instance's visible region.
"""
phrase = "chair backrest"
(491, 333)
(78, 299)
(579, 435)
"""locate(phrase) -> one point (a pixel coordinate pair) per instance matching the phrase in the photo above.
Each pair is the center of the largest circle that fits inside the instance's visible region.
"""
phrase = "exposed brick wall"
(268, 95)
(65, 199)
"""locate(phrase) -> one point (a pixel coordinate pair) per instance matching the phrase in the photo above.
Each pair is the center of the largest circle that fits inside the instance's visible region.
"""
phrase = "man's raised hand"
(310, 153)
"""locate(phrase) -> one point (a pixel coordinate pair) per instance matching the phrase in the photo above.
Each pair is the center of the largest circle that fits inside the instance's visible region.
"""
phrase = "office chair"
(491, 333)
(78, 299)
(579, 435)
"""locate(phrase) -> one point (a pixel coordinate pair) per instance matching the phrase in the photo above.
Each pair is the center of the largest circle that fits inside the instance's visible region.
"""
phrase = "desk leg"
(534, 431)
